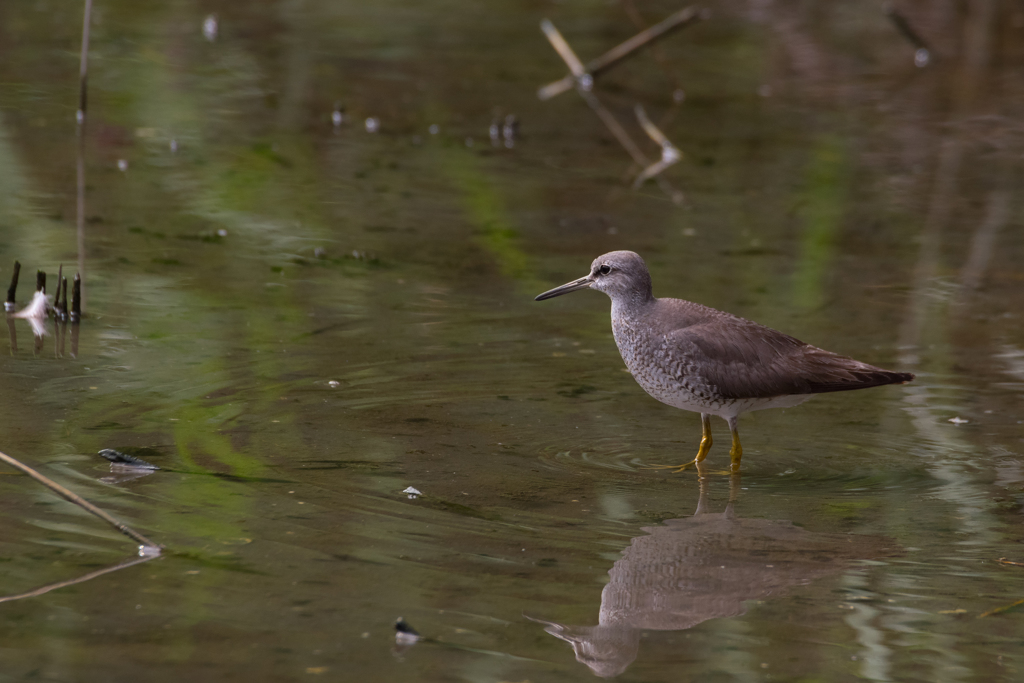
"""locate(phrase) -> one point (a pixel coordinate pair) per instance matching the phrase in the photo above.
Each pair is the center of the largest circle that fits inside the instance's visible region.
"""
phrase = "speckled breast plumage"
(662, 371)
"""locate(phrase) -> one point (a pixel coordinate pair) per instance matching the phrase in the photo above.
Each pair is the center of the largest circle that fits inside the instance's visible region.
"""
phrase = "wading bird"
(710, 362)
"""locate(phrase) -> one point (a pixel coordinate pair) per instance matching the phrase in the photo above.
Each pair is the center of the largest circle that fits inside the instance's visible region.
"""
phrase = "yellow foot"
(675, 469)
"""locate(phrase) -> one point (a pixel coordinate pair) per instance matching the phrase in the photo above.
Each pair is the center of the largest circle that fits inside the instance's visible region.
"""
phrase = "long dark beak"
(582, 283)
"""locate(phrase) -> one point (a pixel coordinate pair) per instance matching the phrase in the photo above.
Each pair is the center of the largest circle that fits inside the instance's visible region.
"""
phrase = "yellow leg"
(705, 439)
(736, 452)
(702, 451)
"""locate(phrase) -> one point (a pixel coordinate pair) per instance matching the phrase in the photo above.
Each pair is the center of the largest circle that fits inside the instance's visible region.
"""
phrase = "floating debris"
(122, 165)
(125, 460)
(670, 154)
(958, 420)
(404, 633)
(413, 493)
(39, 307)
(372, 125)
(922, 54)
(78, 500)
(510, 130)
(583, 77)
(338, 115)
(174, 146)
(334, 384)
(210, 27)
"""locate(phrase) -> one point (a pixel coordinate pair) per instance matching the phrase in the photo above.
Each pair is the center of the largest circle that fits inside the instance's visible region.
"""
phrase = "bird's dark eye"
(605, 269)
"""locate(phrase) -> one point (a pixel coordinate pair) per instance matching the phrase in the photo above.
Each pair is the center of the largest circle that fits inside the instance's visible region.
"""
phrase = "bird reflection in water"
(687, 571)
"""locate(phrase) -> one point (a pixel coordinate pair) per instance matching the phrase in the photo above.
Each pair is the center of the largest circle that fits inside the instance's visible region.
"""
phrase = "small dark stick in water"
(13, 289)
(41, 281)
(76, 300)
(64, 298)
(56, 293)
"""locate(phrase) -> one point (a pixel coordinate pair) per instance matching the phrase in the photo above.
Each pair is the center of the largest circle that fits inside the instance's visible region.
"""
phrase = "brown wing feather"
(742, 359)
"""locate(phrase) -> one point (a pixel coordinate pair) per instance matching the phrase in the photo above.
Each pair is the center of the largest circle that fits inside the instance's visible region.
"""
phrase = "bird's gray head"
(622, 275)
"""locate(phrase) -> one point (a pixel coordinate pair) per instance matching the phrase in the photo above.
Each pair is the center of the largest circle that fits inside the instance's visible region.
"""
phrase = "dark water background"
(833, 190)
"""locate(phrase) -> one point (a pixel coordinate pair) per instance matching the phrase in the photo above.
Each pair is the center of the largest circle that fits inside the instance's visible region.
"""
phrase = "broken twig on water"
(922, 53)
(81, 579)
(670, 154)
(999, 610)
(609, 59)
(564, 50)
(148, 546)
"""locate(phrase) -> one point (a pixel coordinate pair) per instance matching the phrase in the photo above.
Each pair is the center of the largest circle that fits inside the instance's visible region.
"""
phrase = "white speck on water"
(958, 420)
(922, 57)
(434, 129)
(372, 125)
(413, 493)
(210, 27)
(337, 118)
(174, 146)
(222, 233)
(122, 165)
(334, 383)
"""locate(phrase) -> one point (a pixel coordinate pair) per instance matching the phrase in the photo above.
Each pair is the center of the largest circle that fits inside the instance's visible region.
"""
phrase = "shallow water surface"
(299, 320)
